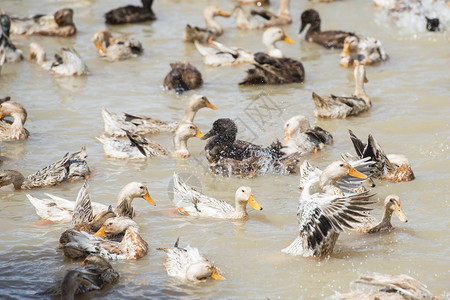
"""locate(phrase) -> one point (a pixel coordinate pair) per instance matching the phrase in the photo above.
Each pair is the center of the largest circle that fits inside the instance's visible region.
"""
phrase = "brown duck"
(131, 14)
(183, 77)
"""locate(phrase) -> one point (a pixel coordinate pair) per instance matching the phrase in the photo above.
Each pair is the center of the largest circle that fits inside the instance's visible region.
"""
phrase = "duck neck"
(180, 147)
(386, 220)
(17, 179)
(272, 49)
(212, 23)
(360, 92)
(314, 27)
(240, 210)
(189, 114)
(283, 11)
(124, 207)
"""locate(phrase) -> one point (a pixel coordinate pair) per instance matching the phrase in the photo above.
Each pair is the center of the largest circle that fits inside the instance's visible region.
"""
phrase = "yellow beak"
(286, 39)
(149, 199)
(29, 57)
(199, 134)
(224, 14)
(400, 214)
(287, 137)
(100, 232)
(216, 275)
(100, 48)
(209, 105)
(356, 174)
(345, 50)
(253, 203)
(1, 116)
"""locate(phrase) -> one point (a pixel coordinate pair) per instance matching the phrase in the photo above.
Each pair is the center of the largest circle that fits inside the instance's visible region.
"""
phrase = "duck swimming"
(117, 47)
(183, 77)
(12, 130)
(301, 137)
(329, 38)
(58, 24)
(115, 124)
(228, 156)
(261, 18)
(137, 146)
(212, 30)
(8, 52)
(368, 224)
(57, 209)
(96, 273)
(132, 246)
(131, 14)
(69, 64)
(70, 167)
(188, 264)
(192, 203)
(367, 51)
(343, 107)
(222, 55)
(392, 167)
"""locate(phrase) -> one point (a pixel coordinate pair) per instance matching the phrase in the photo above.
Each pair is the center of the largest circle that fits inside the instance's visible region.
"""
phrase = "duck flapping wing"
(82, 212)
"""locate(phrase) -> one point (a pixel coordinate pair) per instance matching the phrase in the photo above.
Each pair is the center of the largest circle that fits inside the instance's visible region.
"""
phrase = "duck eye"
(341, 165)
(141, 187)
(243, 191)
(392, 200)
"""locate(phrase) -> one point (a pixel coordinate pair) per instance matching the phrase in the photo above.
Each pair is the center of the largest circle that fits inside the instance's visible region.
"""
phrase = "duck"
(115, 123)
(137, 146)
(71, 281)
(212, 30)
(228, 156)
(254, 2)
(8, 51)
(56, 209)
(368, 224)
(342, 107)
(329, 38)
(182, 77)
(366, 51)
(67, 64)
(96, 273)
(339, 177)
(221, 55)
(131, 247)
(387, 286)
(131, 14)
(391, 167)
(59, 24)
(189, 265)
(322, 217)
(116, 47)
(10, 131)
(193, 203)
(299, 136)
(70, 167)
(262, 18)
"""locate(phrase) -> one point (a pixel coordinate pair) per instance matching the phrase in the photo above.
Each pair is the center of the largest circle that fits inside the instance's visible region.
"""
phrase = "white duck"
(136, 146)
(132, 246)
(221, 55)
(261, 18)
(301, 137)
(12, 130)
(69, 64)
(57, 209)
(116, 123)
(367, 51)
(343, 107)
(190, 202)
(116, 47)
(188, 264)
(212, 30)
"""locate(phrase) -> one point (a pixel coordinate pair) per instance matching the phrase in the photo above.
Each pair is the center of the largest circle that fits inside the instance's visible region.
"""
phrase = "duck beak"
(100, 48)
(365, 79)
(216, 275)
(253, 203)
(101, 232)
(209, 105)
(370, 182)
(400, 214)
(287, 137)
(1, 116)
(345, 50)
(199, 134)
(149, 199)
(286, 39)
(356, 174)
(208, 135)
(224, 14)
(29, 57)
(303, 27)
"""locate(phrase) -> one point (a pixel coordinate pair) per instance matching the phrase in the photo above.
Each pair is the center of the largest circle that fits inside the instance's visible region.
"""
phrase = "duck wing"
(308, 173)
(82, 211)
(332, 38)
(145, 146)
(129, 14)
(50, 175)
(318, 136)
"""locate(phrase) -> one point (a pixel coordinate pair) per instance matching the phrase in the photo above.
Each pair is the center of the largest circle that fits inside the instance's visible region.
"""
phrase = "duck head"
(64, 16)
(212, 11)
(5, 24)
(202, 270)
(36, 51)
(392, 205)
(310, 16)
(272, 35)
(70, 284)
(295, 124)
(134, 190)
(224, 128)
(197, 102)
(243, 196)
(183, 133)
(100, 37)
(12, 109)
(8, 177)
(337, 170)
(96, 260)
(115, 226)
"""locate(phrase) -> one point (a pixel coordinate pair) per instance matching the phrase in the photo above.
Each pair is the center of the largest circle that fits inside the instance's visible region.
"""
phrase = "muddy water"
(410, 115)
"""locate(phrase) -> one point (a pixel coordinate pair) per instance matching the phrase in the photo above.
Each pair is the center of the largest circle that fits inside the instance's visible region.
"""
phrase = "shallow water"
(410, 115)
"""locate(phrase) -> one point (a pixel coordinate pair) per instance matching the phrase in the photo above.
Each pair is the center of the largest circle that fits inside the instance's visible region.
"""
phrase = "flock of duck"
(333, 200)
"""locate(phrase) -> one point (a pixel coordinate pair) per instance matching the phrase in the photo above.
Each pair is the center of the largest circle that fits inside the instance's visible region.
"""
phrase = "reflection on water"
(409, 115)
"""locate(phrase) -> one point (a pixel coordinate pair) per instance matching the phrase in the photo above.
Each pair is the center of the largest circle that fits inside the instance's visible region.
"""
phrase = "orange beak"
(287, 137)
(101, 232)
(100, 48)
(149, 199)
(253, 203)
(286, 39)
(199, 134)
(224, 14)
(356, 174)
(209, 105)
(215, 275)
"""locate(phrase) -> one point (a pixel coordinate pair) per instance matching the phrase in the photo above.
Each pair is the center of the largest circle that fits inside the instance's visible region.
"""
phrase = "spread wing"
(82, 211)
